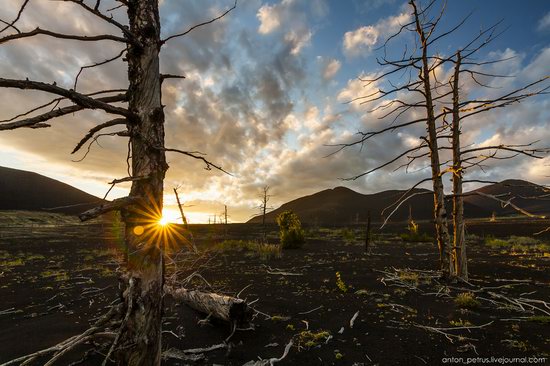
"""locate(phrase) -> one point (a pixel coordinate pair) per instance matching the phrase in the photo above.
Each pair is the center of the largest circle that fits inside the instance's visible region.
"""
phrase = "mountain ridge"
(29, 191)
(342, 205)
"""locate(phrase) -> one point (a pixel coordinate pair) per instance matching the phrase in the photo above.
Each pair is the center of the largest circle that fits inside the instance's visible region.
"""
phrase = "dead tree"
(435, 95)
(137, 340)
(263, 208)
(419, 61)
(180, 207)
(463, 159)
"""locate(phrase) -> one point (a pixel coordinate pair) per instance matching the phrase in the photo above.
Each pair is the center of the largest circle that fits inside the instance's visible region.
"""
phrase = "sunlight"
(163, 221)
(171, 216)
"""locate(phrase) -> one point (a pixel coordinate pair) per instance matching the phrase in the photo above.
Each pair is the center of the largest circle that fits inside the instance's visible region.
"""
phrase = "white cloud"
(363, 39)
(290, 19)
(544, 23)
(269, 17)
(298, 40)
(356, 88)
(331, 68)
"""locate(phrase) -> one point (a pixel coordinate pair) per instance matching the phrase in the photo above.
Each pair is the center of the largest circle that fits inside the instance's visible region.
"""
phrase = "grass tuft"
(309, 339)
(467, 300)
(264, 251)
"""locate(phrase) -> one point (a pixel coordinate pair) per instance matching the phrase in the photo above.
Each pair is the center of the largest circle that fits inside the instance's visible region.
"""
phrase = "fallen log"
(226, 308)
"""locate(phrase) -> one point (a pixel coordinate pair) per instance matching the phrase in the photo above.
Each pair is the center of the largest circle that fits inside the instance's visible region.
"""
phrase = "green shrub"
(290, 230)
(348, 235)
(340, 283)
(264, 251)
(416, 237)
(544, 319)
(517, 244)
(309, 339)
(467, 300)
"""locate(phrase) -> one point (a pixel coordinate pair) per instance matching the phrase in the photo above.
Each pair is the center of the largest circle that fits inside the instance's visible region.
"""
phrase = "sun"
(163, 221)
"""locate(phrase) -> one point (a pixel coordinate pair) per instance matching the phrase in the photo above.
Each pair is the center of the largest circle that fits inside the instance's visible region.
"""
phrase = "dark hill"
(344, 206)
(524, 194)
(22, 190)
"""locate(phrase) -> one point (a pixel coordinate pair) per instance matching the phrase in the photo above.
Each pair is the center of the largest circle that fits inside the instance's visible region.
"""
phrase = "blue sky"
(265, 92)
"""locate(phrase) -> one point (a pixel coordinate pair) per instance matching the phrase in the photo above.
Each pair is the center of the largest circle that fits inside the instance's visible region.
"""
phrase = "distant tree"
(290, 230)
(265, 196)
(180, 208)
(139, 317)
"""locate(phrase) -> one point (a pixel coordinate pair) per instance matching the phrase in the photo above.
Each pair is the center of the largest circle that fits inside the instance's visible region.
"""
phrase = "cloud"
(544, 23)
(298, 40)
(255, 103)
(331, 68)
(290, 19)
(362, 40)
(270, 18)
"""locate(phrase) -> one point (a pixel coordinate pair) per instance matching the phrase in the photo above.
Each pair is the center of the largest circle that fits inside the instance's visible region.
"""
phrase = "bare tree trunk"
(183, 218)
(459, 242)
(440, 213)
(140, 337)
(367, 237)
(263, 207)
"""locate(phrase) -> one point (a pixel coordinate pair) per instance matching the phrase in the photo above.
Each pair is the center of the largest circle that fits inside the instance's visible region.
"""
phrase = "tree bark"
(140, 337)
(440, 213)
(226, 308)
(459, 241)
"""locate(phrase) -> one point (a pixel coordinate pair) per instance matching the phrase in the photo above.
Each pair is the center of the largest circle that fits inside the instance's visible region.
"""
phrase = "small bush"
(290, 230)
(543, 319)
(410, 277)
(264, 251)
(467, 300)
(348, 235)
(416, 237)
(517, 244)
(309, 339)
(340, 283)
(460, 323)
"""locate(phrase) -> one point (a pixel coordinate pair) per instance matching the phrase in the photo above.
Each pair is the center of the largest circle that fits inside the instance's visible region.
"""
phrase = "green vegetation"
(310, 339)
(522, 244)
(410, 277)
(290, 230)
(544, 319)
(340, 283)
(264, 251)
(9, 263)
(58, 275)
(467, 300)
(416, 237)
(279, 318)
(348, 235)
(460, 323)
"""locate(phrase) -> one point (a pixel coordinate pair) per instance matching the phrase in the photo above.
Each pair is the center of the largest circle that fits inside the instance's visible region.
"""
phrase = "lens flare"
(155, 228)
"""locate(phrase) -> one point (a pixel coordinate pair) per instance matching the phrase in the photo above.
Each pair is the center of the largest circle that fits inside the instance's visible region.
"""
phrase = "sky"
(266, 93)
